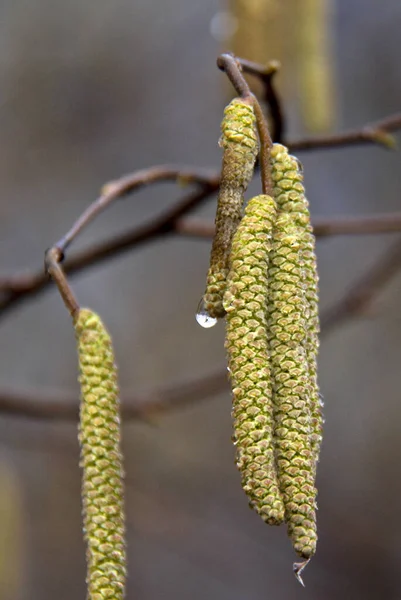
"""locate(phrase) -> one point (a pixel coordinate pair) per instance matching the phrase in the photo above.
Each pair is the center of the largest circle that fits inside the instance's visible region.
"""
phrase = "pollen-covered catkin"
(240, 147)
(248, 361)
(101, 460)
(290, 196)
(291, 392)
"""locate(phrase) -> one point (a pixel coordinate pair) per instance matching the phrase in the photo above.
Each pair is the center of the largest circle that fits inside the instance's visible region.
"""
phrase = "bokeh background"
(90, 91)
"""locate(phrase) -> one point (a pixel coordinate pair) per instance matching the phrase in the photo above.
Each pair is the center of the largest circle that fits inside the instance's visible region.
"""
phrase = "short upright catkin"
(248, 361)
(101, 460)
(240, 147)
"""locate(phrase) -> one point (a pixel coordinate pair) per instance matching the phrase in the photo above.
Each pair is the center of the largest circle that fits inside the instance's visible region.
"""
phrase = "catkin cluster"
(271, 301)
(240, 147)
(101, 460)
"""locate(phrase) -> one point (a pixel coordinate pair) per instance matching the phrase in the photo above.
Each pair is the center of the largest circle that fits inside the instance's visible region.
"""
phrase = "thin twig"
(115, 190)
(360, 296)
(373, 133)
(322, 226)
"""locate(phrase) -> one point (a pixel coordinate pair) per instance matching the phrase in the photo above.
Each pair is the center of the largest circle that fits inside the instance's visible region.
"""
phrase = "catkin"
(291, 392)
(290, 196)
(240, 146)
(247, 350)
(101, 460)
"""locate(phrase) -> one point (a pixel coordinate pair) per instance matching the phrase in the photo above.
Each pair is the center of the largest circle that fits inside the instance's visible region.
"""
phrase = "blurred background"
(90, 91)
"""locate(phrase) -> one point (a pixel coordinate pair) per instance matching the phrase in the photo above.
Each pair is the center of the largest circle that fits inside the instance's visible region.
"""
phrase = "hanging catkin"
(291, 391)
(101, 460)
(247, 350)
(290, 196)
(240, 146)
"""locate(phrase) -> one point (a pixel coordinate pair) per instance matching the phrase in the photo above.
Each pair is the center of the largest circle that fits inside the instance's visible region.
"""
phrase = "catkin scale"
(240, 147)
(291, 392)
(247, 351)
(101, 460)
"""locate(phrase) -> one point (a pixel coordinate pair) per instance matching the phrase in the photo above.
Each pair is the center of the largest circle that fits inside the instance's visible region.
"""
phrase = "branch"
(114, 190)
(146, 406)
(374, 133)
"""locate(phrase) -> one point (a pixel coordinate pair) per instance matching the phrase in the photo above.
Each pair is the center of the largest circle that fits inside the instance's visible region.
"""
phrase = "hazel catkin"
(101, 460)
(290, 196)
(286, 326)
(248, 361)
(240, 147)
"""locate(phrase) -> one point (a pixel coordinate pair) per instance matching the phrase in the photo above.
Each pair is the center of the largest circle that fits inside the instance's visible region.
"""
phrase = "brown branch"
(373, 133)
(146, 406)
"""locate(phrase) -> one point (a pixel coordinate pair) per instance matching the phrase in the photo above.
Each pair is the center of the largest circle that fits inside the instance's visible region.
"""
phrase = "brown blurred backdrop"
(89, 91)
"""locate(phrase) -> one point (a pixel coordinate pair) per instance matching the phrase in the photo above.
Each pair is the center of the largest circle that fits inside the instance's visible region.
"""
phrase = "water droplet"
(203, 317)
(298, 568)
(321, 400)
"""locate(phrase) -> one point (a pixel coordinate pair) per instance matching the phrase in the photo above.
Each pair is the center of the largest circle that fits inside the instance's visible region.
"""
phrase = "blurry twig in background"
(142, 406)
(360, 296)
(322, 226)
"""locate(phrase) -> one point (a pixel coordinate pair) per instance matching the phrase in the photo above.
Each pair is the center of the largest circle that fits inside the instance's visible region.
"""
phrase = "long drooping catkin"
(101, 460)
(247, 350)
(291, 391)
(240, 148)
(290, 196)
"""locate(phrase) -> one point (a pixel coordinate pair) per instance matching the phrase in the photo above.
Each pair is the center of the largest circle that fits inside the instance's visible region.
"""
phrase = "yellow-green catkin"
(290, 196)
(240, 147)
(291, 393)
(248, 361)
(101, 460)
